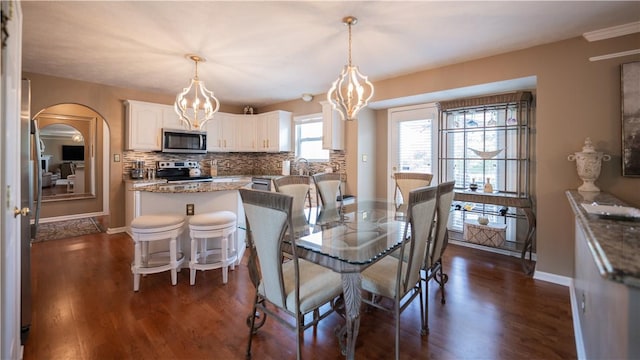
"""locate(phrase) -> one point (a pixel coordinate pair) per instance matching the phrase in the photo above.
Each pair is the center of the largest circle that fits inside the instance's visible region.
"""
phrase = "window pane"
(309, 141)
(415, 146)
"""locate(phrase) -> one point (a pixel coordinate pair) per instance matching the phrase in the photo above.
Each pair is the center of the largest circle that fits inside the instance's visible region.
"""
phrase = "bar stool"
(202, 227)
(150, 228)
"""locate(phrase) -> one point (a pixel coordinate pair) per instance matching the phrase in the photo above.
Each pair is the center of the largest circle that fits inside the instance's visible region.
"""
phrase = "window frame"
(309, 119)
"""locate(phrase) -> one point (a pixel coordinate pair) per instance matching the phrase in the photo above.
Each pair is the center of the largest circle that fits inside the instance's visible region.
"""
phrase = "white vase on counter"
(588, 163)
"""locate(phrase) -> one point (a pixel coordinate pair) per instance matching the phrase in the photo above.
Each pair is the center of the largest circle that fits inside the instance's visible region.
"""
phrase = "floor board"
(84, 308)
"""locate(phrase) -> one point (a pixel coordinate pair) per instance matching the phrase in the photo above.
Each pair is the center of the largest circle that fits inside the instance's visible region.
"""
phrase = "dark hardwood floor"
(84, 308)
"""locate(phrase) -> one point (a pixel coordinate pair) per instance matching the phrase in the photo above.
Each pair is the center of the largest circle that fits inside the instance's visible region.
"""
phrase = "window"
(309, 138)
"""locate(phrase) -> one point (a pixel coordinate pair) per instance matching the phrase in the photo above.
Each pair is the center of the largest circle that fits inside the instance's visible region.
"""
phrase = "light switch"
(116, 157)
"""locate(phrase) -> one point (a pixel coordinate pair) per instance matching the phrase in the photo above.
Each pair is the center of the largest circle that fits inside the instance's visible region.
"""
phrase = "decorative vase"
(488, 188)
(473, 186)
(483, 220)
(588, 163)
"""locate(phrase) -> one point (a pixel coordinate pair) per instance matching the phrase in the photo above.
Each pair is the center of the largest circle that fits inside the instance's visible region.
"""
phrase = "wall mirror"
(68, 156)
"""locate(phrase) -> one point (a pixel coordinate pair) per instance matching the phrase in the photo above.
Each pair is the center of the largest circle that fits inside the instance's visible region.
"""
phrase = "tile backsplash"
(234, 163)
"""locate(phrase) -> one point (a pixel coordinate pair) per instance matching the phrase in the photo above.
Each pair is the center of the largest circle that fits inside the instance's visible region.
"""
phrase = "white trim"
(553, 278)
(611, 32)
(577, 329)
(70, 217)
(117, 230)
(614, 55)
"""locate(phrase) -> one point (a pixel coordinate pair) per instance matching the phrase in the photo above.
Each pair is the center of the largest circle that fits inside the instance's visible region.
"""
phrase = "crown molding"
(612, 32)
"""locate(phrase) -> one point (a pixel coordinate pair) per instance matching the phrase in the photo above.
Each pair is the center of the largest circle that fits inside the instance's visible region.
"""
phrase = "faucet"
(302, 165)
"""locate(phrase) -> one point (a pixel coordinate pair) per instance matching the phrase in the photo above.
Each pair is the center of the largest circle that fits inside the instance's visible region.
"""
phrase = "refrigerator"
(31, 197)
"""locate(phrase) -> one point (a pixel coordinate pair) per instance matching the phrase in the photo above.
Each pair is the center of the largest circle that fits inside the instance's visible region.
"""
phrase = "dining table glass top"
(360, 234)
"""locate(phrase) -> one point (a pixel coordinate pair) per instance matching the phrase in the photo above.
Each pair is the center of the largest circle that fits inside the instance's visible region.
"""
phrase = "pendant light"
(351, 91)
(196, 105)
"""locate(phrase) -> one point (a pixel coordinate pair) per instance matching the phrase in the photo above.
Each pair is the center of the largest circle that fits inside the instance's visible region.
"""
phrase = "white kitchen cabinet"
(332, 128)
(144, 126)
(247, 136)
(222, 133)
(171, 120)
(274, 131)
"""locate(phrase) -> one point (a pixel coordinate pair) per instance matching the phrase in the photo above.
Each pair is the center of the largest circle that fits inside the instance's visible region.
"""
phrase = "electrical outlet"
(116, 157)
(191, 209)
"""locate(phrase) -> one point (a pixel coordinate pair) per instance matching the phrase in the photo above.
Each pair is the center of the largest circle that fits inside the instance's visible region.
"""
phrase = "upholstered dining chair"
(398, 277)
(295, 287)
(432, 268)
(407, 181)
(298, 186)
(328, 189)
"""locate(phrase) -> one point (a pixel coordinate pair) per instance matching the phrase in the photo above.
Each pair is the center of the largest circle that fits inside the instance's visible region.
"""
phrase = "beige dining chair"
(328, 190)
(407, 181)
(398, 277)
(432, 268)
(298, 186)
(296, 287)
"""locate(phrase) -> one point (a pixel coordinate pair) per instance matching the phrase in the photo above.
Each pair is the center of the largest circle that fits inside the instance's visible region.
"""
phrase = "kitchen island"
(606, 284)
(202, 197)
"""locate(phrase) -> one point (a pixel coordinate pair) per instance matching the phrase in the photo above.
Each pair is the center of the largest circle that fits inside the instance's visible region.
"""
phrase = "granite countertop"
(195, 187)
(614, 243)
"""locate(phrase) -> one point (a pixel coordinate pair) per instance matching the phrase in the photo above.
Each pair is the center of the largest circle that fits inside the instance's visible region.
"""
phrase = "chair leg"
(137, 260)
(224, 248)
(173, 256)
(193, 261)
(425, 321)
(251, 325)
(397, 319)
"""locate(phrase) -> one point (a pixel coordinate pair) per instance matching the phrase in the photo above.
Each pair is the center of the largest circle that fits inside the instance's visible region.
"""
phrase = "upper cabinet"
(145, 122)
(268, 132)
(332, 128)
(144, 125)
(222, 133)
(273, 131)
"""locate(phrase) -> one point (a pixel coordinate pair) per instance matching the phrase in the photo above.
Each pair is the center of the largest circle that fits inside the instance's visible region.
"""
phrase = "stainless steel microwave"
(184, 141)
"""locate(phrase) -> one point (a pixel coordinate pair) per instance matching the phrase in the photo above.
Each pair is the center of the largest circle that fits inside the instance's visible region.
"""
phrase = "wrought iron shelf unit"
(487, 139)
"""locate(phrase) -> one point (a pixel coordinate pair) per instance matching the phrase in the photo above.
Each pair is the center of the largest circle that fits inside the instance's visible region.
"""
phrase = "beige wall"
(575, 98)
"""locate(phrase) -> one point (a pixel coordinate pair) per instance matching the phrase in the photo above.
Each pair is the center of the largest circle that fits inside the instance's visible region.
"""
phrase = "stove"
(178, 172)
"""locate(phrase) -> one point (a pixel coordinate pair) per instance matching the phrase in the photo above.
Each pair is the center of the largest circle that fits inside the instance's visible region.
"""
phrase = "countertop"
(614, 243)
(195, 187)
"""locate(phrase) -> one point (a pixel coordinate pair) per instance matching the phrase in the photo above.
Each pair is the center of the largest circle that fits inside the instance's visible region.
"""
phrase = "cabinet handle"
(225, 143)
(267, 142)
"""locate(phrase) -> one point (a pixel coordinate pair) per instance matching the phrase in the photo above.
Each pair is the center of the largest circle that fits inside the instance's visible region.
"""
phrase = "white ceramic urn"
(588, 162)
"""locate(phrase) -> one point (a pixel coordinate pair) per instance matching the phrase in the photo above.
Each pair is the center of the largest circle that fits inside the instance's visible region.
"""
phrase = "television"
(72, 152)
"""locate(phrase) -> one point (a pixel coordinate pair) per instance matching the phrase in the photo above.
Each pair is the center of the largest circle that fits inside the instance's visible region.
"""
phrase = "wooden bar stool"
(214, 225)
(150, 228)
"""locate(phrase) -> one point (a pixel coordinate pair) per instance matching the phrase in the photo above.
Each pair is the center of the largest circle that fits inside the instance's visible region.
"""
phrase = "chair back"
(328, 188)
(440, 233)
(268, 217)
(298, 187)
(407, 181)
(421, 212)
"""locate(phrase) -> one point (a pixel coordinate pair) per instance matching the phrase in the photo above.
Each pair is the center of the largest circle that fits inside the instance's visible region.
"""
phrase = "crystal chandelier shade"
(352, 91)
(196, 105)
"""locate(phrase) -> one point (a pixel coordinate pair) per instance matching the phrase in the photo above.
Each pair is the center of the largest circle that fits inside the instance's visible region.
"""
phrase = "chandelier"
(351, 91)
(195, 104)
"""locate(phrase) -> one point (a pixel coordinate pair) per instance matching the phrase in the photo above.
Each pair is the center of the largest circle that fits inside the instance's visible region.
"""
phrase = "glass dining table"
(348, 240)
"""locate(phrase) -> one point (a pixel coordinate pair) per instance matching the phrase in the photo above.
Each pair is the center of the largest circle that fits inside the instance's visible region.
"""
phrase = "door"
(10, 88)
(412, 142)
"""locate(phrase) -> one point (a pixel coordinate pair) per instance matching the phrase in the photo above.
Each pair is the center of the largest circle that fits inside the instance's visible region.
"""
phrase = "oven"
(261, 183)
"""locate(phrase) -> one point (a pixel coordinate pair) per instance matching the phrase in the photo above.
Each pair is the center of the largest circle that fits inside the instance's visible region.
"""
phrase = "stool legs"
(136, 265)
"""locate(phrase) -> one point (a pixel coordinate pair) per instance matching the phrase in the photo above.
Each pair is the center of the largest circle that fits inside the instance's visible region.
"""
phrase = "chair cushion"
(156, 221)
(213, 218)
(380, 278)
(318, 285)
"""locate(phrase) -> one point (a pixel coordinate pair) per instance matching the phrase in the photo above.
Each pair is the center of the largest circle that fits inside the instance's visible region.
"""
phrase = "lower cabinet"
(608, 311)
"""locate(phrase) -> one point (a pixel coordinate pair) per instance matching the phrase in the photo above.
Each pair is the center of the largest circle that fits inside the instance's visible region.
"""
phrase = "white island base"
(153, 203)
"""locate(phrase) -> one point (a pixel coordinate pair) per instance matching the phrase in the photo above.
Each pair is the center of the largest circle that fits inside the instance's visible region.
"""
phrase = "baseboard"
(118, 230)
(553, 278)
(70, 217)
(577, 329)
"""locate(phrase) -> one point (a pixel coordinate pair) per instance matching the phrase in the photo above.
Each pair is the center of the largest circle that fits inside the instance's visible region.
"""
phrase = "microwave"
(184, 141)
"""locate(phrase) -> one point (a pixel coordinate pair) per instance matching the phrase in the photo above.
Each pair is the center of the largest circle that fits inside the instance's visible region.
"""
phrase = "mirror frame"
(86, 125)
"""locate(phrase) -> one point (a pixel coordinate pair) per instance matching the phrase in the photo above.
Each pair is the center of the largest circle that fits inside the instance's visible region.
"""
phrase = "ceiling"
(265, 52)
